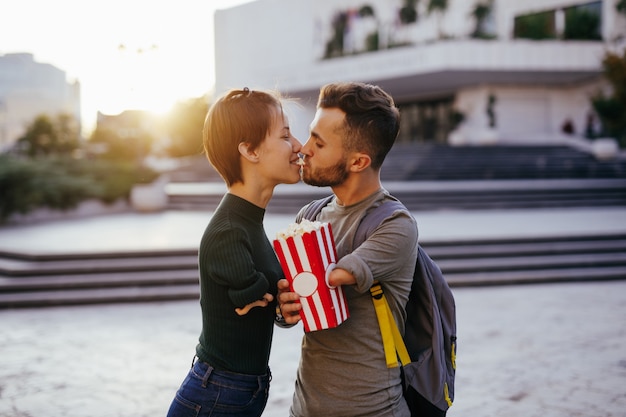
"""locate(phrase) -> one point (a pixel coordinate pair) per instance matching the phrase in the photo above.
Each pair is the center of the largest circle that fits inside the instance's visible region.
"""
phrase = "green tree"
(126, 140)
(408, 12)
(611, 109)
(439, 7)
(480, 12)
(47, 136)
(184, 127)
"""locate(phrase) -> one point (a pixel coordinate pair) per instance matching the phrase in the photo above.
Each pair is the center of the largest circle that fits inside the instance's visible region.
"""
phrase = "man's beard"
(326, 177)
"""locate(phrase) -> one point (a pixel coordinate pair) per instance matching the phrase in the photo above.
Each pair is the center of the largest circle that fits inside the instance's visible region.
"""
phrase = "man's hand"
(263, 302)
(289, 303)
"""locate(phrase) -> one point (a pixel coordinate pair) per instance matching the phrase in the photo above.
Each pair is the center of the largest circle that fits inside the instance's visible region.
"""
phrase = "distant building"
(28, 89)
(477, 72)
(127, 124)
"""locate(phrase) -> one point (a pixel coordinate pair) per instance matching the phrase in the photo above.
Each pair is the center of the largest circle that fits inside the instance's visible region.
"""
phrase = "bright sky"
(167, 51)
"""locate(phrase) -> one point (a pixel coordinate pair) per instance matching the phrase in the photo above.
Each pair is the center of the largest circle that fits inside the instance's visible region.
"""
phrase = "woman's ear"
(247, 152)
(360, 161)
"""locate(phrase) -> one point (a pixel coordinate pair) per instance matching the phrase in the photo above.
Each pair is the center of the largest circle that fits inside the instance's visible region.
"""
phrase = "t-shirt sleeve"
(388, 255)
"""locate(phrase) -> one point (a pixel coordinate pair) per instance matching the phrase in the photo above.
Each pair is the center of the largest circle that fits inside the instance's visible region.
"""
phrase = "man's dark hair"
(372, 119)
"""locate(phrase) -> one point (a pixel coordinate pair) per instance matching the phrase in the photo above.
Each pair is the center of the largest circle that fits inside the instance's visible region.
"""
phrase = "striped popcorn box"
(307, 254)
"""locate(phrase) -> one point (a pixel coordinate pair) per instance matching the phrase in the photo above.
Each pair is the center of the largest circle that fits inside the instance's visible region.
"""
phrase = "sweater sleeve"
(230, 263)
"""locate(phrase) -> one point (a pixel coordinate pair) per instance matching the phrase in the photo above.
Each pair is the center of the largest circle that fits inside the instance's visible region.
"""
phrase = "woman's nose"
(296, 145)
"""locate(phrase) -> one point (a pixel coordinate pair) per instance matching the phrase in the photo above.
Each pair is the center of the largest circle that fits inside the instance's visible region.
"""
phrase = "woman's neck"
(257, 195)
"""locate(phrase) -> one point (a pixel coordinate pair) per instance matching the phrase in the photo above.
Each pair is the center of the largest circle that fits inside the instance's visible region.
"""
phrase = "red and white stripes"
(306, 260)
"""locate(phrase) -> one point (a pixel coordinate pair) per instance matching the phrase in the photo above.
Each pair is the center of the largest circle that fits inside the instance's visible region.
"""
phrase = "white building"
(29, 89)
(435, 66)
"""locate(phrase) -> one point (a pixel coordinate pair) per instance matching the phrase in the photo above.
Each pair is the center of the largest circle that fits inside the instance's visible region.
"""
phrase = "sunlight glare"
(167, 52)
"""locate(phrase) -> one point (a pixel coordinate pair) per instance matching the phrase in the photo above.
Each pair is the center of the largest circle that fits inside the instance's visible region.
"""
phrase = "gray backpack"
(430, 327)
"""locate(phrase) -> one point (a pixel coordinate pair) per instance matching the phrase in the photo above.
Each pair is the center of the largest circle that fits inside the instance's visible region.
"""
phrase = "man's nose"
(306, 148)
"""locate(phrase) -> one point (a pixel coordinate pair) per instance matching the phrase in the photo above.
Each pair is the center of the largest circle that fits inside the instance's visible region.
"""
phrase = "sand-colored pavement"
(552, 350)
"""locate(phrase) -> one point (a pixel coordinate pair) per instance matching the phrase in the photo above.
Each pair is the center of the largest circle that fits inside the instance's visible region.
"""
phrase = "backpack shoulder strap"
(393, 345)
(311, 210)
(373, 218)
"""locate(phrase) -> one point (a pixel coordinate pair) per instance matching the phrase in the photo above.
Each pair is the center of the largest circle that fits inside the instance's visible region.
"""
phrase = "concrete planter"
(457, 137)
(604, 148)
(487, 136)
(149, 197)
(86, 209)
(473, 136)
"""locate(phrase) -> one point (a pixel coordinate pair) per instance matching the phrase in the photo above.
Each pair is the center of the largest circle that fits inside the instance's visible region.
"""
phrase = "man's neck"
(357, 187)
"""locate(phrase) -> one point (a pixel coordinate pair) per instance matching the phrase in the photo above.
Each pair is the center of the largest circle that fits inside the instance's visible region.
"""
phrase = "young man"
(343, 371)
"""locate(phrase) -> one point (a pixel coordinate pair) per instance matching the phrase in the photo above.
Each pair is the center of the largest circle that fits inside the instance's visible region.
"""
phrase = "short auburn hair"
(238, 116)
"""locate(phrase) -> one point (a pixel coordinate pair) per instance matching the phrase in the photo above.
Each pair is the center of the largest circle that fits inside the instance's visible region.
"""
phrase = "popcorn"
(294, 229)
(307, 254)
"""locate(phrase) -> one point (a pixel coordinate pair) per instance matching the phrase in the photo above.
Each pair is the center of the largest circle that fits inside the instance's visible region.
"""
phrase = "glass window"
(426, 121)
(535, 26)
(583, 22)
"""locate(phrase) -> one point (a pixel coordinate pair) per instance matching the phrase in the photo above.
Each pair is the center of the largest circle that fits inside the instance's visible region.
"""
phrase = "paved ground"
(552, 350)
(529, 351)
(183, 229)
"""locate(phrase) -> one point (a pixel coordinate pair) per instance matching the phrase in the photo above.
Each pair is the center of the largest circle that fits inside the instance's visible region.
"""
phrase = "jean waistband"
(197, 360)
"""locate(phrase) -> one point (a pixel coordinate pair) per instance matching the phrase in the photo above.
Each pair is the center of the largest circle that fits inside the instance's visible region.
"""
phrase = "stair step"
(98, 296)
(451, 250)
(56, 279)
(101, 280)
(535, 276)
(527, 263)
(17, 267)
(418, 161)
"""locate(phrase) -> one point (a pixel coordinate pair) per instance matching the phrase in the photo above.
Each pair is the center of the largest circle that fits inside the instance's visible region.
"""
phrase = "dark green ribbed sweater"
(237, 265)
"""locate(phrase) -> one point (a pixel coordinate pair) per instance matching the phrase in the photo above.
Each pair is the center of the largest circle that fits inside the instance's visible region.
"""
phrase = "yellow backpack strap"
(392, 339)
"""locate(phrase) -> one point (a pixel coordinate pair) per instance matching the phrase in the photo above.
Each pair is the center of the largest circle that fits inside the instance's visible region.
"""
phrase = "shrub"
(62, 182)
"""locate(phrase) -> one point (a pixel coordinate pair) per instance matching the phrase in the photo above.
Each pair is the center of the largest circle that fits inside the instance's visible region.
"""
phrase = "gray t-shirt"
(342, 371)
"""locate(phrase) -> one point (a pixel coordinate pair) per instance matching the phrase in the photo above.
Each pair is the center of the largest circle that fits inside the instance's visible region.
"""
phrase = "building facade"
(461, 71)
(29, 89)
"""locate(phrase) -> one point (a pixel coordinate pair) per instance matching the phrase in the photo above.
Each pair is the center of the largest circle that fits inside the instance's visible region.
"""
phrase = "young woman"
(248, 141)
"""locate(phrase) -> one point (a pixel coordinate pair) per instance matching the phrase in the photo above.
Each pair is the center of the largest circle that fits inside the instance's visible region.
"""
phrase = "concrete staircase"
(434, 177)
(424, 177)
(434, 195)
(70, 279)
(426, 162)
(48, 280)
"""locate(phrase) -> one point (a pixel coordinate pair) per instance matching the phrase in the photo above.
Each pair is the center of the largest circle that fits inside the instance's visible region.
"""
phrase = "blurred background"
(511, 155)
(94, 101)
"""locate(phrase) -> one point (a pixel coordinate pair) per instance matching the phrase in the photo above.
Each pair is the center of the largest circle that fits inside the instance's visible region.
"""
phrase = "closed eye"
(317, 141)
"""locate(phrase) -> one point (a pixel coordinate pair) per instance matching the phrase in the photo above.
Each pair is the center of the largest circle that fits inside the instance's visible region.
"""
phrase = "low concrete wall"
(85, 209)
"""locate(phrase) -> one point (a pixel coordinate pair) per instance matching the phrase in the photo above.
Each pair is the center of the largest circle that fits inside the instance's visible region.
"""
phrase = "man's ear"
(246, 151)
(360, 161)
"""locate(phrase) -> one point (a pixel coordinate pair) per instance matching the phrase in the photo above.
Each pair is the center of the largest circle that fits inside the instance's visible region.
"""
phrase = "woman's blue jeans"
(208, 392)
